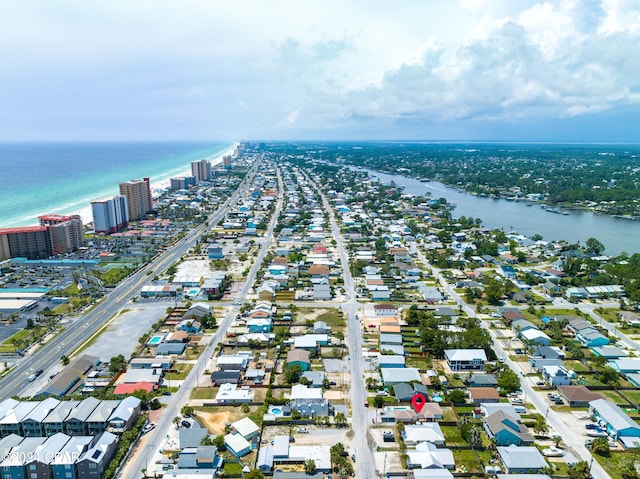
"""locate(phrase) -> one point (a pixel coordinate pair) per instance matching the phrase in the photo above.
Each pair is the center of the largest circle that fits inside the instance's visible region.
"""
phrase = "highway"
(86, 325)
(151, 444)
(572, 440)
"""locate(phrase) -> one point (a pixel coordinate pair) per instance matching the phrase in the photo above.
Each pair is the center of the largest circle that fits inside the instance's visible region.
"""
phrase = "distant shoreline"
(157, 187)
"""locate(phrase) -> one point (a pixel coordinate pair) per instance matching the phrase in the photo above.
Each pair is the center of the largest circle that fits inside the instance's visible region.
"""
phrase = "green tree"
(340, 420)
(579, 470)
(540, 426)
(310, 467)
(254, 474)
(600, 446)
(508, 381)
(457, 396)
(594, 246)
(378, 402)
(117, 363)
(292, 373)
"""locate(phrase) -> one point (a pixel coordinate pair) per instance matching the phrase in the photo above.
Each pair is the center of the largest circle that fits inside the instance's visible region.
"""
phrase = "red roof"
(131, 388)
(24, 229)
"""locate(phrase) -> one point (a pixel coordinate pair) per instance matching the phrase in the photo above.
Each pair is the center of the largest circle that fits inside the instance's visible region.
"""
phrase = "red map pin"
(417, 401)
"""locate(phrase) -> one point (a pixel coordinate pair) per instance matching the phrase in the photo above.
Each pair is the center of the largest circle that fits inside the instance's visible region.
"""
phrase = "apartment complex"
(56, 234)
(139, 200)
(201, 170)
(110, 215)
(67, 232)
(183, 182)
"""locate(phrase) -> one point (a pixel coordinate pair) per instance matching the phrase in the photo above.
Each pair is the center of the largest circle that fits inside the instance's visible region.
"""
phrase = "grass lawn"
(453, 436)
(449, 414)
(417, 362)
(203, 393)
(466, 459)
(634, 396)
(331, 317)
(614, 396)
(183, 372)
(614, 463)
(7, 346)
(577, 366)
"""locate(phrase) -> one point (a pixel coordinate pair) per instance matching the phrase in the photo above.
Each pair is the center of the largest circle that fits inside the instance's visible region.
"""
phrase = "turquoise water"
(64, 178)
(155, 340)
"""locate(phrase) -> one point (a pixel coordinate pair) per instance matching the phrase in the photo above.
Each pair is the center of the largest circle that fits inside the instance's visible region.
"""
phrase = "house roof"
(500, 420)
(524, 457)
(578, 394)
(483, 393)
(301, 355)
(245, 426)
(132, 387)
(613, 415)
(465, 354)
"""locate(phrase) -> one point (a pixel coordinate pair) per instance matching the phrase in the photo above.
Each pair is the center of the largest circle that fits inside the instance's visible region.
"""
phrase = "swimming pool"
(155, 340)
(276, 410)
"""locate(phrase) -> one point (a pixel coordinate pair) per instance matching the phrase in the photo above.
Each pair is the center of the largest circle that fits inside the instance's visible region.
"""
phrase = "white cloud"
(247, 68)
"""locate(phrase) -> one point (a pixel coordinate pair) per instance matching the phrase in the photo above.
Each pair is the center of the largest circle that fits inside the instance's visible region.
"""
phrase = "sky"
(461, 70)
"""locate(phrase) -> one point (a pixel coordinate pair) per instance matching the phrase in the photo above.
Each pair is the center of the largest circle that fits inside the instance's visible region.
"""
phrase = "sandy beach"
(156, 188)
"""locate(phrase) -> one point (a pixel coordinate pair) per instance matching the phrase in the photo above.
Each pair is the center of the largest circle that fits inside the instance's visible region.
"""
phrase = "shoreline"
(157, 187)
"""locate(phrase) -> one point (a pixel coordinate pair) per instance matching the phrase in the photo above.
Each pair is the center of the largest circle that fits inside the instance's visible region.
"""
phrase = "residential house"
(125, 415)
(427, 432)
(237, 445)
(390, 361)
(231, 394)
(299, 357)
(482, 381)
(39, 465)
(98, 420)
(322, 290)
(427, 456)
(384, 310)
(556, 375)
(14, 464)
(260, 325)
(32, 423)
(309, 402)
(483, 395)
(465, 359)
(54, 422)
(535, 336)
(321, 327)
(228, 376)
(95, 460)
(75, 424)
(11, 423)
(246, 428)
(63, 465)
(522, 459)
(507, 430)
(578, 396)
(392, 376)
(196, 460)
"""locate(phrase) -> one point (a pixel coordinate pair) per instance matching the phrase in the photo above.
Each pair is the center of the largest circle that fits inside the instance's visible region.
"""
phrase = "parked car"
(148, 427)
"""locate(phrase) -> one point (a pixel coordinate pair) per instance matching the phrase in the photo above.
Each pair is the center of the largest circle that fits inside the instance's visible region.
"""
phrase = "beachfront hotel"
(110, 215)
(139, 200)
(67, 232)
(56, 234)
(201, 170)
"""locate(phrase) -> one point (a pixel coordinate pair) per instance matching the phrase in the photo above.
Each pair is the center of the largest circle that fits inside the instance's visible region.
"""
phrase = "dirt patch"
(216, 421)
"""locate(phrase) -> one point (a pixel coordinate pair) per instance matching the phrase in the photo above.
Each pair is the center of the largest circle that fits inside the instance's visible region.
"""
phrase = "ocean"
(63, 178)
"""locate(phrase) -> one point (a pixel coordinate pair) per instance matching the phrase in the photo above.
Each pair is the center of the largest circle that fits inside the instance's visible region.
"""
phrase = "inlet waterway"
(617, 234)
